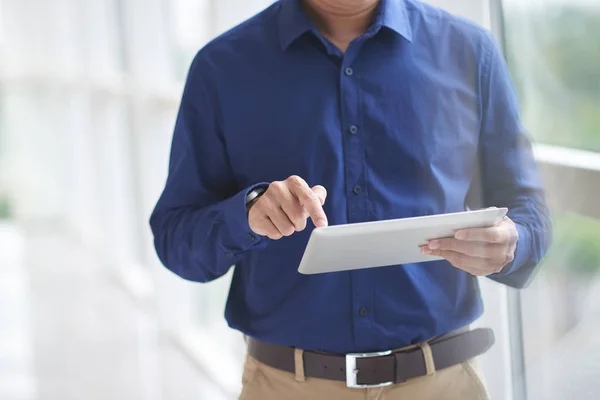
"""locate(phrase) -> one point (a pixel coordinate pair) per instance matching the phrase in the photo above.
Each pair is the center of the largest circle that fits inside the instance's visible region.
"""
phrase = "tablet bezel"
(411, 229)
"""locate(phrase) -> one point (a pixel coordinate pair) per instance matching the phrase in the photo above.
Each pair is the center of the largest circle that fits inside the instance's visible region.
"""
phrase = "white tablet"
(384, 243)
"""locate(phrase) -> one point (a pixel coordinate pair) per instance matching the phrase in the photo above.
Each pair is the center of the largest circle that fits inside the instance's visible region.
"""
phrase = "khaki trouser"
(460, 382)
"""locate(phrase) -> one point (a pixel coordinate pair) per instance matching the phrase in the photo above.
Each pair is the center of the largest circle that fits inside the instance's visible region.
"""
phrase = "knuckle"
(295, 180)
(276, 186)
(288, 229)
(294, 216)
(294, 213)
(299, 223)
(494, 237)
(310, 195)
(504, 237)
(466, 234)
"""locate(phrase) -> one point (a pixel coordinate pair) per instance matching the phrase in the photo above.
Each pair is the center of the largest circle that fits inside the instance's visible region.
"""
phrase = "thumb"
(321, 193)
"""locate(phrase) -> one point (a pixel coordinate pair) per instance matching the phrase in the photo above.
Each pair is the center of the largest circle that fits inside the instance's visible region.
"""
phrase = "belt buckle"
(352, 371)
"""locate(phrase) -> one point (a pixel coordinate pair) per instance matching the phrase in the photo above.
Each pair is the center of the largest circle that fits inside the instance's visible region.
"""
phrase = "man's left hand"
(479, 251)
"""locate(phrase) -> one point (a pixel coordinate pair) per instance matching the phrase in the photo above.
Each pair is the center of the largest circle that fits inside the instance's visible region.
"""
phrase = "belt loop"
(299, 363)
(428, 356)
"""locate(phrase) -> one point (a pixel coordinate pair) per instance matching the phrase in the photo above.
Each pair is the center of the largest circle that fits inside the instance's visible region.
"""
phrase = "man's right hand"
(284, 208)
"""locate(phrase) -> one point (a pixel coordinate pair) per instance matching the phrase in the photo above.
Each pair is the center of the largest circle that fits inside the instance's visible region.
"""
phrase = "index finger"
(310, 201)
(321, 192)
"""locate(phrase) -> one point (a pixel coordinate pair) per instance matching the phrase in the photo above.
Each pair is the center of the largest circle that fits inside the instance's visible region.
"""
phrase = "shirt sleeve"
(509, 174)
(199, 224)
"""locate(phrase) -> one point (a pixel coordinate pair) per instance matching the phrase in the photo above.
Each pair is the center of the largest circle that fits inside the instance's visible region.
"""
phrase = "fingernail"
(434, 244)
(321, 222)
(425, 250)
(460, 235)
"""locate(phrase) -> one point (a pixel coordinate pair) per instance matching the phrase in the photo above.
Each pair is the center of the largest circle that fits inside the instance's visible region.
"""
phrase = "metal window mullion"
(513, 298)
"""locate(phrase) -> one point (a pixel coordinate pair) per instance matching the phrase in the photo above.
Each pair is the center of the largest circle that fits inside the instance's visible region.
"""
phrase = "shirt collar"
(395, 17)
(294, 22)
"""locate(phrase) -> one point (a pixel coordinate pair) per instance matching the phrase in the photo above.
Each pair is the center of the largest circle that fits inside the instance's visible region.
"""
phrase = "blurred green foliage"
(576, 248)
(5, 209)
(554, 55)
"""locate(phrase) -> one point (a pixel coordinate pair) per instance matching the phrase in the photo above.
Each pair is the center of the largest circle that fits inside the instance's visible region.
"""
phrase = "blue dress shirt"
(418, 112)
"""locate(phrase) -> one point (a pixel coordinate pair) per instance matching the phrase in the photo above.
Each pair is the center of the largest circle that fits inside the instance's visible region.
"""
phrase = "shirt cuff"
(236, 218)
(522, 252)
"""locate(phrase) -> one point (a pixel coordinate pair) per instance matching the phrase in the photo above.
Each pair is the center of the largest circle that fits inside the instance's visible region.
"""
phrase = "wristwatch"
(253, 196)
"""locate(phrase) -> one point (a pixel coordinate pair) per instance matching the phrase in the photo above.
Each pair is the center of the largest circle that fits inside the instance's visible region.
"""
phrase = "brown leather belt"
(377, 369)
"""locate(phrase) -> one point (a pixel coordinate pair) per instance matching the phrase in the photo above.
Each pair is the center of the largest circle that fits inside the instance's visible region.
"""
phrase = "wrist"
(253, 197)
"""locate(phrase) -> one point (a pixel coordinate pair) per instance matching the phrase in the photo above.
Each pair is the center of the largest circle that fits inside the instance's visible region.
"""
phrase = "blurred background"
(88, 95)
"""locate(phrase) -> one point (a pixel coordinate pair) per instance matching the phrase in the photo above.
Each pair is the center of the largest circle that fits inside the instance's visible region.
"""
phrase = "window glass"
(553, 50)
(561, 314)
(192, 25)
(195, 22)
(1, 26)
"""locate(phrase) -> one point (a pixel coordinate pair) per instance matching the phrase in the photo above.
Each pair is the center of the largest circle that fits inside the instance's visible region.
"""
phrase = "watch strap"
(254, 194)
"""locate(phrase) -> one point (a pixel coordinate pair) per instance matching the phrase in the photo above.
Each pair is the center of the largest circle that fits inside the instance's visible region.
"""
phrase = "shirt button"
(357, 189)
(251, 236)
(348, 71)
(229, 254)
(363, 311)
(353, 129)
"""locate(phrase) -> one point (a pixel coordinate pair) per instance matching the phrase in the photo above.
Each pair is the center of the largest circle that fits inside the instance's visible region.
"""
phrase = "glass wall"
(89, 92)
(554, 54)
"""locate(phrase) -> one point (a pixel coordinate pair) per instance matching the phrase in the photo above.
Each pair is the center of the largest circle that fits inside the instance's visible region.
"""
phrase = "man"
(324, 112)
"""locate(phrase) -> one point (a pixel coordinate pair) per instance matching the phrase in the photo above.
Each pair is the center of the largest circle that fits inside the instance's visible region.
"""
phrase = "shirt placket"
(355, 186)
